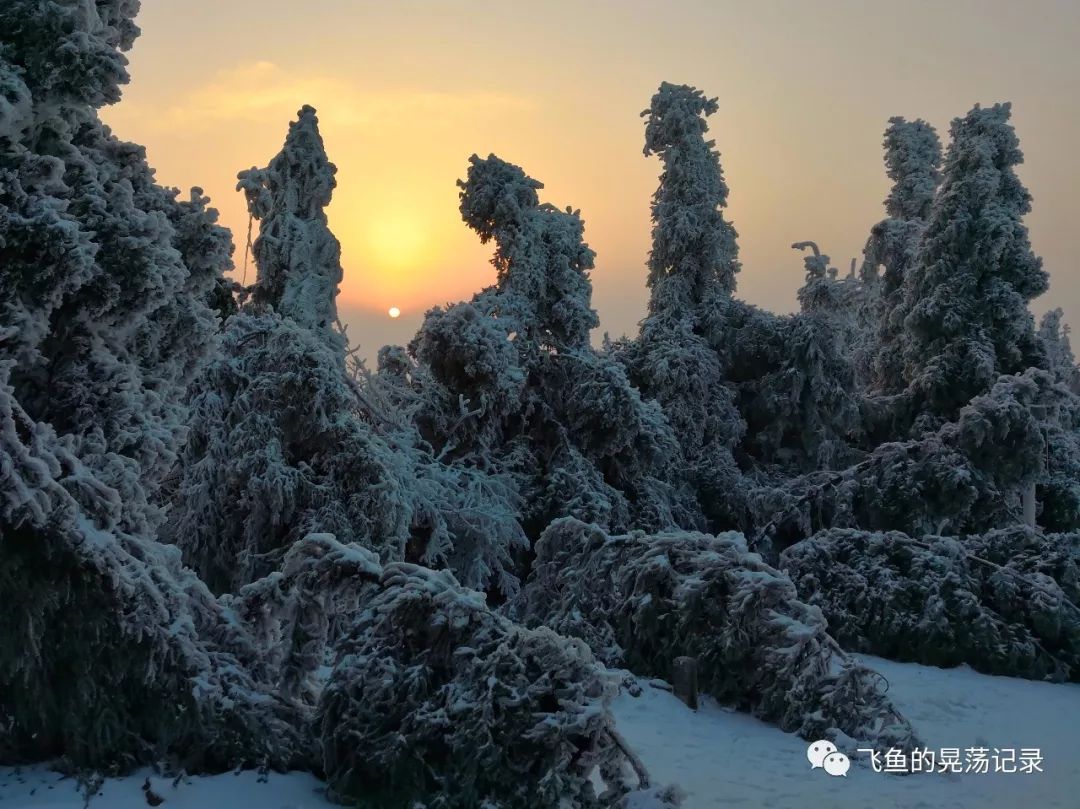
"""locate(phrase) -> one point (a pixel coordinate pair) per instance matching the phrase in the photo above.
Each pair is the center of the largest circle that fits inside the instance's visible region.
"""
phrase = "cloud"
(259, 90)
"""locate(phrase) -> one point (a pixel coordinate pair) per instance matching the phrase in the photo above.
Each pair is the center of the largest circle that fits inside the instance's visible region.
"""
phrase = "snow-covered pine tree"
(436, 701)
(279, 447)
(110, 652)
(913, 157)
(512, 385)
(291, 436)
(109, 330)
(965, 297)
(299, 259)
(694, 256)
(692, 269)
(641, 601)
(913, 163)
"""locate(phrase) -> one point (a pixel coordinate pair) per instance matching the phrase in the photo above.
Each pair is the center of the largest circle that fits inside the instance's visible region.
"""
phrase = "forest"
(226, 541)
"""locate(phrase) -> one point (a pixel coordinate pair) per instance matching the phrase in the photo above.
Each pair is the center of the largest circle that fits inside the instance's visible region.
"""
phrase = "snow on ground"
(38, 788)
(727, 759)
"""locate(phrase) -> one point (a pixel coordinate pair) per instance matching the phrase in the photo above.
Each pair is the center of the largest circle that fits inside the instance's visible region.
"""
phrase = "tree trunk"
(1029, 506)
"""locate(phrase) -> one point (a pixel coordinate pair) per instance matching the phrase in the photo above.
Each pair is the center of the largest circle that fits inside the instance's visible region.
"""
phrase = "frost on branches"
(114, 654)
(1003, 602)
(643, 600)
(438, 702)
(297, 613)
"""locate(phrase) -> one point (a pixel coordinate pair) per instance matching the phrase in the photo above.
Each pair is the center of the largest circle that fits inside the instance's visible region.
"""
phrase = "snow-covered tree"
(113, 653)
(511, 385)
(109, 321)
(1058, 490)
(692, 268)
(278, 450)
(541, 259)
(291, 436)
(465, 517)
(437, 701)
(965, 297)
(297, 613)
(299, 259)
(1004, 602)
(694, 255)
(280, 445)
(641, 601)
(802, 410)
(1059, 353)
(207, 249)
(913, 163)
(964, 478)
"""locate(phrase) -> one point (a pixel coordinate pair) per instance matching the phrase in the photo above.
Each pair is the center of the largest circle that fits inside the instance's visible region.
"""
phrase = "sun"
(394, 312)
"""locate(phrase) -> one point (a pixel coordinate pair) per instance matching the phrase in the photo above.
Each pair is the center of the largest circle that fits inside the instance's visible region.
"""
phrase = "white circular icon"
(817, 751)
(837, 764)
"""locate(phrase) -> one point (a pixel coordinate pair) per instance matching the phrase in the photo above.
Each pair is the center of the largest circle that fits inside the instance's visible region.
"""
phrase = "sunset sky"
(406, 91)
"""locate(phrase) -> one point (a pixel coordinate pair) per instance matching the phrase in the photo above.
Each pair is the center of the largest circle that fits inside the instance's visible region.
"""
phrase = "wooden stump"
(684, 681)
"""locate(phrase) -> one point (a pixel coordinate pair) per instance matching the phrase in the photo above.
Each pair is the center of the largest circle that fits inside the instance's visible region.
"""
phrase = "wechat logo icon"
(823, 754)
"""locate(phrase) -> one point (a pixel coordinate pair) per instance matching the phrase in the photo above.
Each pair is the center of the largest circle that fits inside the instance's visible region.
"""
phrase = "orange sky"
(407, 91)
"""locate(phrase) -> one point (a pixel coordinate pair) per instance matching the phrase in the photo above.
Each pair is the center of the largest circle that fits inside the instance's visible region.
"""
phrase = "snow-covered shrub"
(466, 512)
(967, 477)
(298, 612)
(1004, 602)
(438, 702)
(641, 601)
(801, 409)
